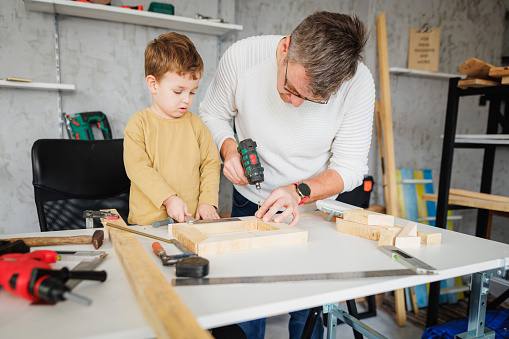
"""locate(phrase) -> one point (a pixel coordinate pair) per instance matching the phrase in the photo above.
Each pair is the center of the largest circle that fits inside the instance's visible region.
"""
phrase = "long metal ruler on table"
(415, 267)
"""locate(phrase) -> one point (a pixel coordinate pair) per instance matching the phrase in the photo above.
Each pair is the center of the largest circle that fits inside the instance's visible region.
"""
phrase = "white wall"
(105, 62)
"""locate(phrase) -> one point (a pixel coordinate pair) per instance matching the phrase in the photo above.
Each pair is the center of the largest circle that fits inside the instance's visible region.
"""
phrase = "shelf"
(118, 14)
(423, 74)
(37, 85)
(482, 139)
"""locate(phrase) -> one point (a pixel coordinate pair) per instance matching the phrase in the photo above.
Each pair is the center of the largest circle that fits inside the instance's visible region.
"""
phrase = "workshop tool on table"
(415, 267)
(79, 125)
(250, 161)
(334, 207)
(192, 221)
(186, 264)
(86, 264)
(29, 275)
(89, 215)
(169, 260)
(96, 239)
(171, 241)
(17, 246)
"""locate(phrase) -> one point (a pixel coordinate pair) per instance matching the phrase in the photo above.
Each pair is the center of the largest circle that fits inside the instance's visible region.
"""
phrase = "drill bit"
(258, 187)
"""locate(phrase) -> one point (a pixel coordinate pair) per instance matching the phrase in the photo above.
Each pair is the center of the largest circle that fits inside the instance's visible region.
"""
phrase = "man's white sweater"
(294, 143)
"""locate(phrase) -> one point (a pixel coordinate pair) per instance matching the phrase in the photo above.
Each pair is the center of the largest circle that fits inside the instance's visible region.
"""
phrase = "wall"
(105, 61)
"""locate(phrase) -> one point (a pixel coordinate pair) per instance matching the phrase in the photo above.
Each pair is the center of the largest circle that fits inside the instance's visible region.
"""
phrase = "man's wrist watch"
(303, 190)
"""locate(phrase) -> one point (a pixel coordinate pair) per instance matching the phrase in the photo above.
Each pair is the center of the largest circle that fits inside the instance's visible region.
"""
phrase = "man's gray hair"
(329, 46)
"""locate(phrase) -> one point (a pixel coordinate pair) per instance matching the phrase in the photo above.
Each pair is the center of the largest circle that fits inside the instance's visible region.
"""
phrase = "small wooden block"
(363, 231)
(430, 238)
(405, 242)
(505, 81)
(499, 72)
(386, 238)
(465, 83)
(410, 230)
(368, 218)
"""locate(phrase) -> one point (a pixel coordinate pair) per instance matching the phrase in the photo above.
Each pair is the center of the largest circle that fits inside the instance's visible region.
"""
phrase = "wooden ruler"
(163, 308)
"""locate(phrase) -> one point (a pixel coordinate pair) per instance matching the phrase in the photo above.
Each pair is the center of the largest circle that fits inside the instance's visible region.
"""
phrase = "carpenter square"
(416, 267)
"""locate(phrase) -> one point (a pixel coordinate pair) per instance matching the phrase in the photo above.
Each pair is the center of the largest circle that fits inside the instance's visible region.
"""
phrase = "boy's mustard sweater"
(164, 157)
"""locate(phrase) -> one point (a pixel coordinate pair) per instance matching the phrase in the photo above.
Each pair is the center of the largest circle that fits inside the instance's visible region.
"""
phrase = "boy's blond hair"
(172, 52)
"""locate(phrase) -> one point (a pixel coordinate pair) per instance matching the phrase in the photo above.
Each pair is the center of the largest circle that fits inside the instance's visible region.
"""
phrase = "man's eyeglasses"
(316, 101)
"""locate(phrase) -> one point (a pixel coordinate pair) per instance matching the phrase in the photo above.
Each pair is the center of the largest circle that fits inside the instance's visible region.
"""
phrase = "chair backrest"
(71, 176)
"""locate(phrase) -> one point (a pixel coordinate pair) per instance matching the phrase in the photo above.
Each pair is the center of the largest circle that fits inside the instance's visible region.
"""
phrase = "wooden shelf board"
(37, 85)
(423, 74)
(118, 14)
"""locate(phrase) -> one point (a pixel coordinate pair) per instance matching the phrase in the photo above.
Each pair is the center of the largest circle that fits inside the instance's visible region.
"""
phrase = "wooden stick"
(478, 195)
(391, 201)
(163, 308)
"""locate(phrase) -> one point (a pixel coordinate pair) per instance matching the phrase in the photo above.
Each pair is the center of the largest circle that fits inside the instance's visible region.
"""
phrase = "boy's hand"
(176, 208)
(206, 211)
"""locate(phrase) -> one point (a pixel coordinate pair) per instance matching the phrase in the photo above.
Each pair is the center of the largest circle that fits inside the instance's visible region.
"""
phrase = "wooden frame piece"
(224, 237)
(167, 314)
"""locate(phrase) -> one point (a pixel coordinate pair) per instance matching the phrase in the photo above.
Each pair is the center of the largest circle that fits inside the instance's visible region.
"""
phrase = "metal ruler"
(415, 267)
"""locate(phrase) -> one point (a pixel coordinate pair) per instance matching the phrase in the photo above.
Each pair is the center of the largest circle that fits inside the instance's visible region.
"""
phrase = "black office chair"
(71, 176)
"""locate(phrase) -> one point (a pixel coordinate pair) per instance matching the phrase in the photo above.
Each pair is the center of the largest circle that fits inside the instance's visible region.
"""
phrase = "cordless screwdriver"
(250, 161)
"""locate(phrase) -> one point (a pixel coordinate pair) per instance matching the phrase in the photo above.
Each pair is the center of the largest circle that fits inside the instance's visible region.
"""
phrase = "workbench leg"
(332, 321)
(334, 313)
(479, 289)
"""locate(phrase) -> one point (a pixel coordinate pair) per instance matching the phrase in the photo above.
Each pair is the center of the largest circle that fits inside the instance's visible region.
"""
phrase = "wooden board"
(363, 230)
(168, 316)
(249, 233)
(391, 201)
(476, 68)
(499, 72)
(479, 195)
(476, 83)
(368, 217)
(471, 202)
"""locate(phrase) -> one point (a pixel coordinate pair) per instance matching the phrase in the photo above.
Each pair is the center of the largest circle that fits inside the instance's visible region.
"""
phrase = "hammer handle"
(46, 241)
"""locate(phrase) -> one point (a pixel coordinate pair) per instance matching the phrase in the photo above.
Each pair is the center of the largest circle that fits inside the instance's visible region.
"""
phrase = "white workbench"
(115, 312)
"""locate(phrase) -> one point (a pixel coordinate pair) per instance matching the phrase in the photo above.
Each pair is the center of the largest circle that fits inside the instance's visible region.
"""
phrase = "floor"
(277, 327)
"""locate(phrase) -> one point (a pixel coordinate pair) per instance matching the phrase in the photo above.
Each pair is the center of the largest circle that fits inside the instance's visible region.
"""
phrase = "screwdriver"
(250, 161)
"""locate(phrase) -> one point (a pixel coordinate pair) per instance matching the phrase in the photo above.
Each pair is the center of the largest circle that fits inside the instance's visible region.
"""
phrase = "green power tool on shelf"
(79, 125)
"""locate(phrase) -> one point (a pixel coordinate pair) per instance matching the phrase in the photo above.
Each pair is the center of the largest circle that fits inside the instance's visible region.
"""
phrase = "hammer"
(96, 239)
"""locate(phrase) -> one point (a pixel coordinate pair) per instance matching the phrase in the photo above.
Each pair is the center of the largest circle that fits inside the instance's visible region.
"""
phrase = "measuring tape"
(415, 267)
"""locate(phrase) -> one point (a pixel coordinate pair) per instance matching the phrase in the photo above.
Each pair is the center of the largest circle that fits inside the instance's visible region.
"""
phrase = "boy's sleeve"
(210, 168)
(139, 166)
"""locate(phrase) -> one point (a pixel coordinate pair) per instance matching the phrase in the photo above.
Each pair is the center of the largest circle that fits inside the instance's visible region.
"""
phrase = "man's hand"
(286, 197)
(176, 208)
(206, 211)
(232, 168)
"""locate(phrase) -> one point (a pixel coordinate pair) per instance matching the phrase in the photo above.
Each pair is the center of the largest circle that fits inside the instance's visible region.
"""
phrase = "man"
(307, 100)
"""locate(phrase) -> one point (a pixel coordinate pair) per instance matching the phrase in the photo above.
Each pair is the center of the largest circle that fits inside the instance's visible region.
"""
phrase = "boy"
(169, 153)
